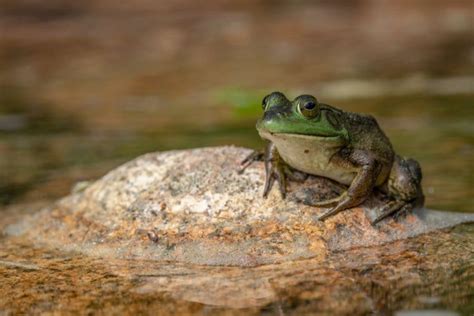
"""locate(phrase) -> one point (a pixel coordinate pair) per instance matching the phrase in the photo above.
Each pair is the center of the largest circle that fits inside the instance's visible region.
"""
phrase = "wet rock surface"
(194, 207)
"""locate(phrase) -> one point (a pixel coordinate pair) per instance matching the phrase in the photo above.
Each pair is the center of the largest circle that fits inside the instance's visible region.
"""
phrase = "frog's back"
(366, 134)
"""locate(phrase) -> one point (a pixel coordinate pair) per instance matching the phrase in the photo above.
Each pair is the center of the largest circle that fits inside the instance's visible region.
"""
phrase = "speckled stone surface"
(193, 206)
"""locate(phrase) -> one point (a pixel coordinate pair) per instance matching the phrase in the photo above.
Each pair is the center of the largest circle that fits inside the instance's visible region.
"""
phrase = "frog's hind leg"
(393, 207)
(360, 188)
(404, 188)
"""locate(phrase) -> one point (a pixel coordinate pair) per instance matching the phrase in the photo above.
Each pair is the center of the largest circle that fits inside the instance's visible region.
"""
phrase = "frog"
(307, 137)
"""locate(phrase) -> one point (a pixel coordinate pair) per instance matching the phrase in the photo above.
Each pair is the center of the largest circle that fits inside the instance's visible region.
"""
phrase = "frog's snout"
(269, 120)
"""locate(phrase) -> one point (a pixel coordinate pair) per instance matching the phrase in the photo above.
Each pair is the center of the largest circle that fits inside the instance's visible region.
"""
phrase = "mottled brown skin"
(363, 157)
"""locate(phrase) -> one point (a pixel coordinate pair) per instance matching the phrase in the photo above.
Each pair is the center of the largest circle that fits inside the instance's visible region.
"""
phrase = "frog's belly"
(312, 155)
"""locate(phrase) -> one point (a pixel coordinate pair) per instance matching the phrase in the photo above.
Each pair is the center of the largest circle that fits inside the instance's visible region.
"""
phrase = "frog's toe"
(280, 176)
(269, 184)
(327, 203)
(277, 174)
(282, 187)
(396, 208)
(345, 201)
(326, 214)
(250, 159)
(340, 203)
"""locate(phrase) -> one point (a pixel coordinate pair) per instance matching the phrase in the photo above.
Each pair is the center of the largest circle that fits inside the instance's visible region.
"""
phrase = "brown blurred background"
(87, 85)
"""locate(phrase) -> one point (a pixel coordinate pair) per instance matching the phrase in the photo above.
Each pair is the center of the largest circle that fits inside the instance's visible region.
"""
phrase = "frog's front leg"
(361, 186)
(274, 170)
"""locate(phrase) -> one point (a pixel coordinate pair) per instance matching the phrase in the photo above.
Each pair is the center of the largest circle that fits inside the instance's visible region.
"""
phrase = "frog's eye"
(309, 109)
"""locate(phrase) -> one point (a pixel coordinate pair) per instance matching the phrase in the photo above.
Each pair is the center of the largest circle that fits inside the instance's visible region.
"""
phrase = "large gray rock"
(193, 206)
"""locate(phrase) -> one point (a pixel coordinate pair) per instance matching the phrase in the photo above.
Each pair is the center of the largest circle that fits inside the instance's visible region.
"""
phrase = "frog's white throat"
(311, 154)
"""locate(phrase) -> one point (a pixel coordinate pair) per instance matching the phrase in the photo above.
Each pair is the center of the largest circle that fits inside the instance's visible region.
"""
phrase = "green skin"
(318, 139)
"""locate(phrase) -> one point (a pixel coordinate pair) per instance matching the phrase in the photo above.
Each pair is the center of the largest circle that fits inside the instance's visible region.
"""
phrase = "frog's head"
(302, 116)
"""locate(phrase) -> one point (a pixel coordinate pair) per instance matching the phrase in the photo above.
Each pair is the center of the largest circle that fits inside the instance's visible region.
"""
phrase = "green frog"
(306, 137)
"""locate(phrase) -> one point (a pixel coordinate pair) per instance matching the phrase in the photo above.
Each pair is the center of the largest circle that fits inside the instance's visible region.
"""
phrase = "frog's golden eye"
(309, 109)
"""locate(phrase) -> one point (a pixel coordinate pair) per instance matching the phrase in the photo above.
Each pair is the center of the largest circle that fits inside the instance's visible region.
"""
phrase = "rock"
(193, 206)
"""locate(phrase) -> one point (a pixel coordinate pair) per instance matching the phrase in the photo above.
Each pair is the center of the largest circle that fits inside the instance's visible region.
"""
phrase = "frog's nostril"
(270, 115)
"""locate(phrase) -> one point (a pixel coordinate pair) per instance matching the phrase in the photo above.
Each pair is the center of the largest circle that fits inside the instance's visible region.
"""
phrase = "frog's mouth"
(288, 137)
(270, 128)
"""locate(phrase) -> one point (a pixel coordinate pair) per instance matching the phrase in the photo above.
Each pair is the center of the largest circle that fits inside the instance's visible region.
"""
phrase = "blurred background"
(87, 85)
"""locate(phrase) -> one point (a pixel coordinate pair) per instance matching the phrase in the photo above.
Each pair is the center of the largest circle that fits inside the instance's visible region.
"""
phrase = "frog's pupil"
(310, 105)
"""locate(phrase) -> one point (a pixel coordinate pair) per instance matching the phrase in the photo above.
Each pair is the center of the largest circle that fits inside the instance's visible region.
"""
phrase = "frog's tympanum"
(314, 138)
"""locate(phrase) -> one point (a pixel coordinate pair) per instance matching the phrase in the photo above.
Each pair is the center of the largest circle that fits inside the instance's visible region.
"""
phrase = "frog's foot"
(396, 208)
(250, 159)
(274, 170)
(341, 203)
